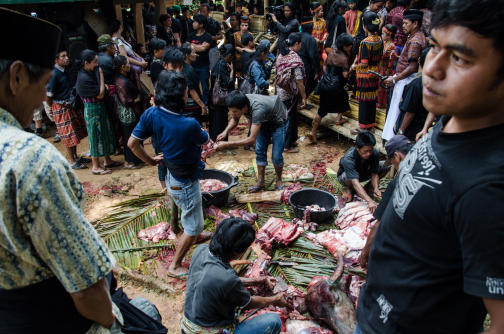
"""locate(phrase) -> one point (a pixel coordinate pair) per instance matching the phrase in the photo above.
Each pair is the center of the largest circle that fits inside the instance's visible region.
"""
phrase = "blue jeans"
(268, 323)
(204, 76)
(357, 330)
(277, 134)
(188, 199)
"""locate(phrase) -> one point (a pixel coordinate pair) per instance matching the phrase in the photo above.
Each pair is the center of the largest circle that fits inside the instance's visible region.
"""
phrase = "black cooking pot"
(304, 197)
(218, 198)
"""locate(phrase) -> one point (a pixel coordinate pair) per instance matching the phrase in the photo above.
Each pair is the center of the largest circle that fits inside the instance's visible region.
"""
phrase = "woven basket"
(258, 23)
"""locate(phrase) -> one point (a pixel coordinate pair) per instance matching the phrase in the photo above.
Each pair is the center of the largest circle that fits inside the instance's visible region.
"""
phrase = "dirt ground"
(102, 193)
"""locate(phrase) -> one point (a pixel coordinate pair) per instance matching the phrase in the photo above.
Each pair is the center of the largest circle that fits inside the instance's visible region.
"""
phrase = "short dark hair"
(170, 90)
(35, 72)
(164, 17)
(169, 11)
(205, 5)
(247, 38)
(85, 56)
(368, 18)
(136, 48)
(392, 28)
(156, 44)
(114, 26)
(423, 55)
(148, 36)
(307, 27)
(173, 55)
(185, 9)
(482, 17)
(101, 48)
(118, 62)
(186, 49)
(404, 3)
(238, 4)
(237, 99)
(236, 15)
(344, 40)
(405, 148)
(201, 19)
(294, 37)
(232, 236)
(365, 138)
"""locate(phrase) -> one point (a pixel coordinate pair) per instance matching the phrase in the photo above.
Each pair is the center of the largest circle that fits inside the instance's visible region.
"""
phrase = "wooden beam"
(118, 13)
(160, 9)
(139, 27)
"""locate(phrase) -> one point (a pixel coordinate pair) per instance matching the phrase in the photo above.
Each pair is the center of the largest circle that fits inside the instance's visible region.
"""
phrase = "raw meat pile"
(305, 327)
(289, 190)
(306, 226)
(210, 185)
(219, 216)
(258, 268)
(314, 207)
(208, 150)
(276, 232)
(296, 172)
(355, 221)
(161, 231)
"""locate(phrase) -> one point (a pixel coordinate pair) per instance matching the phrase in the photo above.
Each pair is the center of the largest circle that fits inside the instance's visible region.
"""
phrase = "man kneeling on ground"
(269, 122)
(362, 163)
(214, 291)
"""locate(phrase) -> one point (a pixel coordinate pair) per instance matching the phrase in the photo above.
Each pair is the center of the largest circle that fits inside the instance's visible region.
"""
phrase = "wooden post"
(118, 13)
(139, 27)
(266, 4)
(160, 9)
(174, 217)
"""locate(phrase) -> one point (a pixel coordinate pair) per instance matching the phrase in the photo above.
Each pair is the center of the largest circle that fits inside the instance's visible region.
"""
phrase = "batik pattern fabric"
(386, 69)
(238, 43)
(43, 232)
(396, 17)
(370, 53)
(412, 50)
(351, 18)
(293, 63)
(320, 32)
(101, 131)
(70, 124)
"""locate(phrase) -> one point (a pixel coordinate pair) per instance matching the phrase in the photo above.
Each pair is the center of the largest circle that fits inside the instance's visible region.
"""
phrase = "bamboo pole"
(174, 217)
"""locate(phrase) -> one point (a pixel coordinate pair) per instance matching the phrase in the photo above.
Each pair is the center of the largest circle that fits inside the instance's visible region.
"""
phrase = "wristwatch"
(393, 78)
(400, 132)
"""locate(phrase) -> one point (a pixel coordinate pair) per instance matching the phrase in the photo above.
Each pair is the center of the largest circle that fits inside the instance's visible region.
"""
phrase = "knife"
(282, 283)
(284, 263)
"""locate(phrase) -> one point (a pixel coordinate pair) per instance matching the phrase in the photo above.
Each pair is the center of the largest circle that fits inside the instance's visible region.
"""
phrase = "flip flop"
(348, 198)
(279, 188)
(208, 236)
(340, 122)
(311, 138)
(292, 150)
(83, 160)
(178, 276)
(355, 131)
(121, 152)
(102, 172)
(115, 164)
(78, 165)
(254, 189)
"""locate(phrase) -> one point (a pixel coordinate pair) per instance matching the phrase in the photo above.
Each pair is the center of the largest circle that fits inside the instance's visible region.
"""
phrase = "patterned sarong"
(190, 327)
(102, 140)
(70, 124)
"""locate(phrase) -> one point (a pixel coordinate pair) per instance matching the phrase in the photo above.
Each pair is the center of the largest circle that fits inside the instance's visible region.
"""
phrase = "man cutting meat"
(436, 261)
(53, 264)
(362, 163)
(269, 122)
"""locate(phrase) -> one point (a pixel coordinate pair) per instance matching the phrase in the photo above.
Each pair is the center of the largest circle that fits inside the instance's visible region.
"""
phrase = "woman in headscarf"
(319, 29)
(244, 28)
(370, 55)
(289, 61)
(223, 74)
(194, 105)
(102, 137)
(333, 96)
(287, 26)
(129, 105)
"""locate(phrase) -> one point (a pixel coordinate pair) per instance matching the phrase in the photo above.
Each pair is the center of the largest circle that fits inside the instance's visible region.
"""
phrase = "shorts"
(188, 199)
(37, 115)
(342, 178)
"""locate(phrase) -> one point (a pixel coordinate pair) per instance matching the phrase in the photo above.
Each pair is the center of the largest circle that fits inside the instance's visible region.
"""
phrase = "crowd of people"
(430, 258)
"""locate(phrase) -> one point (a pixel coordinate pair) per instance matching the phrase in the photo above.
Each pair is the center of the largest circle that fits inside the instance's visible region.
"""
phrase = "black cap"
(394, 143)
(413, 14)
(40, 39)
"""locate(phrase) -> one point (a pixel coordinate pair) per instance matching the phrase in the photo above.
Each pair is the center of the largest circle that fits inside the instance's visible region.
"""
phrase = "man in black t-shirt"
(176, 27)
(413, 113)
(234, 20)
(435, 264)
(201, 41)
(214, 28)
(362, 163)
(187, 25)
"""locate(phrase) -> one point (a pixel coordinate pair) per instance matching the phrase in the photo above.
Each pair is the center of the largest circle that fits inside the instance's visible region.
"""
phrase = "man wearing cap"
(106, 53)
(70, 122)
(53, 263)
(397, 148)
(407, 66)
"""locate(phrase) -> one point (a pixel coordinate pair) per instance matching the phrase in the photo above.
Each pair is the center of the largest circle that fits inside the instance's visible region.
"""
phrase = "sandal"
(291, 150)
(254, 189)
(115, 164)
(250, 148)
(355, 131)
(102, 172)
(132, 166)
(348, 198)
(78, 165)
(206, 236)
(279, 188)
(311, 138)
(340, 122)
(83, 160)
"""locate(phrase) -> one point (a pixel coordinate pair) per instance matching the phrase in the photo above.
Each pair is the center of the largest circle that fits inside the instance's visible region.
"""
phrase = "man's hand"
(157, 160)
(204, 111)
(363, 259)
(144, 64)
(265, 282)
(221, 146)
(388, 82)
(372, 205)
(279, 300)
(420, 135)
(273, 17)
(303, 103)
(377, 193)
(222, 136)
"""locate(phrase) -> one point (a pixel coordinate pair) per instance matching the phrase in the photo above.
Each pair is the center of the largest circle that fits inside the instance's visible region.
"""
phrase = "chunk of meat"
(259, 267)
(282, 313)
(207, 150)
(315, 207)
(284, 197)
(211, 185)
(245, 215)
(276, 232)
(219, 216)
(161, 231)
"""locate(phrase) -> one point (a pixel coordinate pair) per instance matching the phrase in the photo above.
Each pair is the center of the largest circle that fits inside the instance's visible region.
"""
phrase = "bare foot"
(178, 271)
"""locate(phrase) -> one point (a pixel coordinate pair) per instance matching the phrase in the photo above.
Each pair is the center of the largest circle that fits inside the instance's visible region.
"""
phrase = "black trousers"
(218, 118)
(291, 135)
(126, 130)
